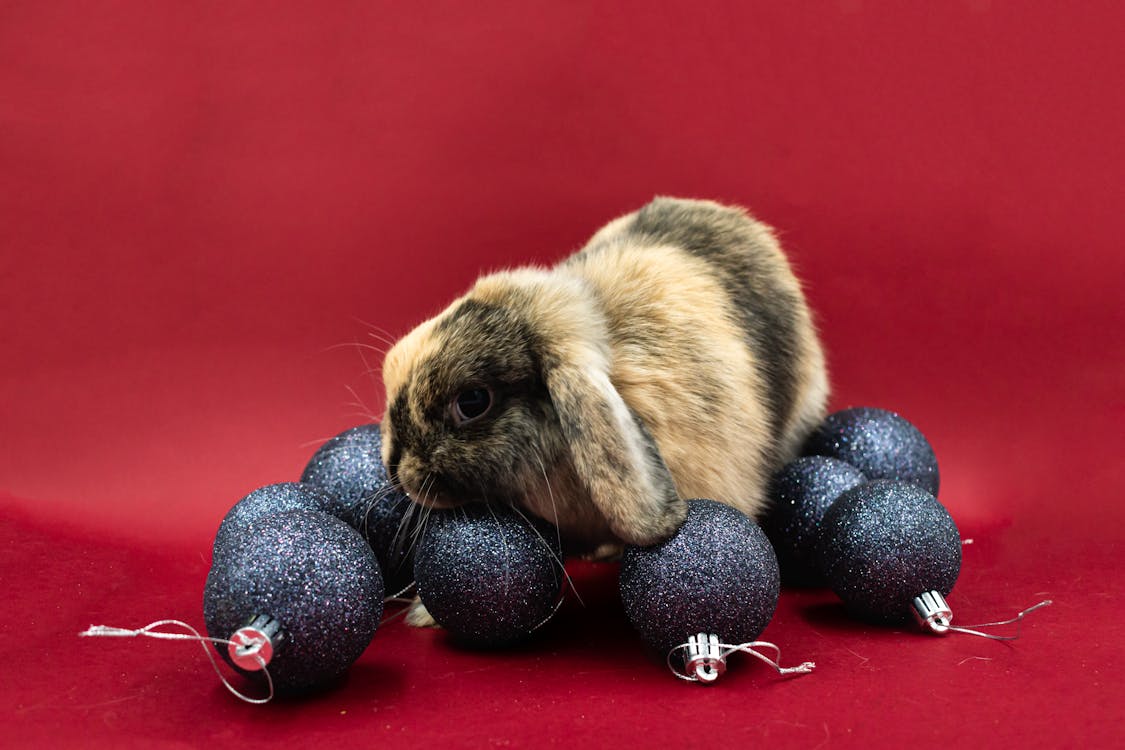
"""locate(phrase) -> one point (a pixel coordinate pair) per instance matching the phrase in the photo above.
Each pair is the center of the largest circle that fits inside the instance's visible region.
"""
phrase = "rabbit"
(672, 357)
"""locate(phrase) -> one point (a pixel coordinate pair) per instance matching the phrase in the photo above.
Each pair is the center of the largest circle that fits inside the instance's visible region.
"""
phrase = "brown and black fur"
(672, 357)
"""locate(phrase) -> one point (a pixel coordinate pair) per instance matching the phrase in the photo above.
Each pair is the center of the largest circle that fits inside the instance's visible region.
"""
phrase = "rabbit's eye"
(471, 404)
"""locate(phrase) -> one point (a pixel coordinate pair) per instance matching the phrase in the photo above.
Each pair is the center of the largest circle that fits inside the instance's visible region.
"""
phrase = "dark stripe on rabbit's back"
(767, 312)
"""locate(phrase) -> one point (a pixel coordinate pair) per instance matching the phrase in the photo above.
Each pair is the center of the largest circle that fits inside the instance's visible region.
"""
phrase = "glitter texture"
(717, 574)
(271, 499)
(879, 443)
(486, 575)
(312, 573)
(885, 542)
(351, 465)
(800, 495)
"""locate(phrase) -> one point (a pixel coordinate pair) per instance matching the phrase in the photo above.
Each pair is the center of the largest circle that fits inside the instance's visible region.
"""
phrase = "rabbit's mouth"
(431, 491)
(436, 499)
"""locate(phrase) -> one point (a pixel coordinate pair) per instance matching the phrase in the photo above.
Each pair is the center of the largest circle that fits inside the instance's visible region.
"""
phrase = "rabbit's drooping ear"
(614, 456)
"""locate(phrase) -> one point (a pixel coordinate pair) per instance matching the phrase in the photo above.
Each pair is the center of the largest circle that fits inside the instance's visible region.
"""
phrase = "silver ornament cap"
(251, 647)
(932, 612)
(704, 658)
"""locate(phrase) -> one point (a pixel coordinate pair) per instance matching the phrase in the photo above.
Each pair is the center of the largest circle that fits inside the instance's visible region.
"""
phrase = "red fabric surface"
(203, 208)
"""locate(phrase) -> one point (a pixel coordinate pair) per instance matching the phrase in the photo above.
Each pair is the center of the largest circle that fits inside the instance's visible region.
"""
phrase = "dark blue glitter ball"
(488, 575)
(271, 499)
(800, 494)
(350, 465)
(879, 443)
(317, 577)
(718, 574)
(885, 542)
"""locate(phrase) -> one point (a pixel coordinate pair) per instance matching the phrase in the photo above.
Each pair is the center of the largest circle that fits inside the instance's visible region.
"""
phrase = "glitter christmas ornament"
(302, 592)
(800, 494)
(879, 443)
(350, 465)
(487, 575)
(268, 500)
(715, 580)
(884, 544)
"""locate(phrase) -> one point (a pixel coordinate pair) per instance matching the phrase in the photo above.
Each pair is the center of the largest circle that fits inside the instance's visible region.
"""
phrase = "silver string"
(151, 632)
(555, 609)
(400, 595)
(970, 629)
(746, 648)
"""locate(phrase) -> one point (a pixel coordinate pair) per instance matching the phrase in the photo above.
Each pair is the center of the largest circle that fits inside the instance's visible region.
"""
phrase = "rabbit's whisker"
(358, 345)
(507, 549)
(398, 540)
(371, 372)
(551, 552)
(427, 510)
(371, 501)
(382, 335)
(551, 495)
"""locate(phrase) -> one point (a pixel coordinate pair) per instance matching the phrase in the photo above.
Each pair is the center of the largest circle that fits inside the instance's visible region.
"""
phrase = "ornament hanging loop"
(934, 615)
(705, 658)
(255, 653)
(558, 605)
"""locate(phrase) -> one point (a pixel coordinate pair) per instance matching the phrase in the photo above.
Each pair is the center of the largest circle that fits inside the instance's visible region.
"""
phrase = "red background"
(204, 207)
